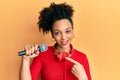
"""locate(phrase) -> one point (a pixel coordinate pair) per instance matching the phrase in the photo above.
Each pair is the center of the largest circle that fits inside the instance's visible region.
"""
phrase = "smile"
(64, 42)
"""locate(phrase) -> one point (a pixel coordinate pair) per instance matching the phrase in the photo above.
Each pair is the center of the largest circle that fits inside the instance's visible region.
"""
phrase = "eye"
(68, 31)
(57, 33)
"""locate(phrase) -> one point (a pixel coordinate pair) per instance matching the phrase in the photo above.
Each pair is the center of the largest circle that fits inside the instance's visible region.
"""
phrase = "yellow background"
(96, 27)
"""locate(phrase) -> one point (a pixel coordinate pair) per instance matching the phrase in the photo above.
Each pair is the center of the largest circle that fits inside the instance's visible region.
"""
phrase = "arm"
(25, 70)
(86, 67)
(25, 63)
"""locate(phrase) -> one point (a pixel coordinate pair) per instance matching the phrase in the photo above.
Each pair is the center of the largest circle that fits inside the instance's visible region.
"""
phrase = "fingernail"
(36, 51)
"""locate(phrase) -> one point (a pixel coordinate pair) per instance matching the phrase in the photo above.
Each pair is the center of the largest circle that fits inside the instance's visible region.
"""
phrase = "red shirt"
(49, 67)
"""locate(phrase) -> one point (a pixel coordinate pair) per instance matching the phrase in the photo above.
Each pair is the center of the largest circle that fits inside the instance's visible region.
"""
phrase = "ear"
(52, 34)
(72, 30)
(73, 33)
(53, 39)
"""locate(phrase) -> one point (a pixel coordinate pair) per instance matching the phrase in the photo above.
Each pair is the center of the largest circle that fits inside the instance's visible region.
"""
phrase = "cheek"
(56, 38)
(70, 35)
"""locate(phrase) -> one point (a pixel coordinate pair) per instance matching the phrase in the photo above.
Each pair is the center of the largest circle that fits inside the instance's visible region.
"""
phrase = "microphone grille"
(43, 47)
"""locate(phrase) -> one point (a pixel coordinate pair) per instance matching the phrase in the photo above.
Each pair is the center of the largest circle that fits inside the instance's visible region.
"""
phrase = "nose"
(63, 36)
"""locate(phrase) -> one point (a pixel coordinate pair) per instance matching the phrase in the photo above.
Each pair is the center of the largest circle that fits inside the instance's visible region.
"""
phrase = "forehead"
(61, 24)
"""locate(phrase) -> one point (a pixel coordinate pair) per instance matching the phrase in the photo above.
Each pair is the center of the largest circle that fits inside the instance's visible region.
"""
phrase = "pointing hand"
(78, 69)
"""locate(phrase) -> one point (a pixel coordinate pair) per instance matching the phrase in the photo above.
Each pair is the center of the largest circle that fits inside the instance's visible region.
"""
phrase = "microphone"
(41, 48)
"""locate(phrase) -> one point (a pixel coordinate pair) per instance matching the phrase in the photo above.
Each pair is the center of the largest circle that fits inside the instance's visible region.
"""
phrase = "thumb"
(71, 60)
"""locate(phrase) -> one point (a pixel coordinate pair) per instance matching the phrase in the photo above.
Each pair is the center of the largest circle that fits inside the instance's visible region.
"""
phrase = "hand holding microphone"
(32, 51)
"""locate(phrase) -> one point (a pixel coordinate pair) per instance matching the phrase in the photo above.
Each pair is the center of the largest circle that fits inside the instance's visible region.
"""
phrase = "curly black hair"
(52, 13)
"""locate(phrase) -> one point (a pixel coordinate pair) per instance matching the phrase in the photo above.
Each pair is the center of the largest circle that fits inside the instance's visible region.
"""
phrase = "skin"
(62, 32)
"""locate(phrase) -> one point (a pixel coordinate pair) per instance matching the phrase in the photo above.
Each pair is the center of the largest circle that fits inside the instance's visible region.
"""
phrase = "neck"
(61, 49)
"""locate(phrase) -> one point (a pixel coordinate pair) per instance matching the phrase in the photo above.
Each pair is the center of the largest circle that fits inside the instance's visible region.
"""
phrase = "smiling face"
(62, 32)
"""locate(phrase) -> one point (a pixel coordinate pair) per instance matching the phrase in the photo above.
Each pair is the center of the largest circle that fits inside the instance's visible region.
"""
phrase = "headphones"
(61, 55)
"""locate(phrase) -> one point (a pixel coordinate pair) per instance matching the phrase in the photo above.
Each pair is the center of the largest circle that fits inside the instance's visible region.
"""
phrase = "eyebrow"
(65, 29)
(68, 28)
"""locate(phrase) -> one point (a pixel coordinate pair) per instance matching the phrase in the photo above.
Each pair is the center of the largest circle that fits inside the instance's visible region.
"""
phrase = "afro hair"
(52, 13)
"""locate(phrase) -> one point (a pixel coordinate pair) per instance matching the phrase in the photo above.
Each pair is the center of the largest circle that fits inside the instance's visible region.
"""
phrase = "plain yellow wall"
(96, 27)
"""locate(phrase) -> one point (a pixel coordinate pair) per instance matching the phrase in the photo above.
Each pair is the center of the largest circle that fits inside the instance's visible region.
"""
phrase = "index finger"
(71, 60)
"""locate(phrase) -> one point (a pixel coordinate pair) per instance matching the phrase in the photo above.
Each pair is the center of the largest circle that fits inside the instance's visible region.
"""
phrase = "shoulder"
(79, 53)
(79, 56)
(47, 52)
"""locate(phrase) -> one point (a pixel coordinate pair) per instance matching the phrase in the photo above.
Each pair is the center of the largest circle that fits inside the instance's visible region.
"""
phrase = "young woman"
(61, 61)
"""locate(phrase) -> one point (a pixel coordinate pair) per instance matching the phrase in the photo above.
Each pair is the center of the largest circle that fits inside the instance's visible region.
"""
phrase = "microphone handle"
(21, 53)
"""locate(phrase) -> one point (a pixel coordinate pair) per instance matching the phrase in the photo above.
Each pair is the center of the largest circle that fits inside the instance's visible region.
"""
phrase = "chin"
(66, 45)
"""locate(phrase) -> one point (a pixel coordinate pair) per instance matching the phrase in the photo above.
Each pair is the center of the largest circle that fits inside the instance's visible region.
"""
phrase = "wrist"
(83, 78)
(25, 60)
